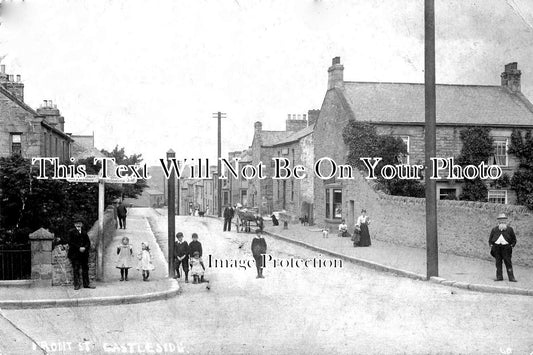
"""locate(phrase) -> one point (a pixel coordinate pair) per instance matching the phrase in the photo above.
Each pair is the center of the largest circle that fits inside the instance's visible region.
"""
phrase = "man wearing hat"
(181, 252)
(78, 253)
(259, 247)
(502, 241)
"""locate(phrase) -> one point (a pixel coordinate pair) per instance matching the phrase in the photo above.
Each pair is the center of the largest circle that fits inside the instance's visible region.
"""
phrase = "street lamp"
(171, 155)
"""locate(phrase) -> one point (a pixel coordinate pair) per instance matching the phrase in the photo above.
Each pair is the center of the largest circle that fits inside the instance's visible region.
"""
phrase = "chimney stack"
(52, 115)
(511, 77)
(336, 74)
(8, 82)
(296, 123)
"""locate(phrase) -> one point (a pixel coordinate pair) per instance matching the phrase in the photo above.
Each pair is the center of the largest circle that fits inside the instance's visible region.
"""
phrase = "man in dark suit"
(502, 241)
(259, 248)
(78, 253)
(228, 215)
(181, 252)
(122, 213)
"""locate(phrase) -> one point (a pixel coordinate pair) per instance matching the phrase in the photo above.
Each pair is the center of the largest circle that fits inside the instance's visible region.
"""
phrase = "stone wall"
(61, 267)
(463, 226)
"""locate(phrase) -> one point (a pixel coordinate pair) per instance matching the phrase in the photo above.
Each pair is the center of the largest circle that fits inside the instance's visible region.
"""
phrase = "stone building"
(238, 187)
(29, 132)
(295, 144)
(398, 109)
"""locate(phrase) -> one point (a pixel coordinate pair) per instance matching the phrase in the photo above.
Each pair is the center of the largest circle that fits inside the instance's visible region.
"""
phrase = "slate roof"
(13, 127)
(456, 104)
(270, 138)
(295, 136)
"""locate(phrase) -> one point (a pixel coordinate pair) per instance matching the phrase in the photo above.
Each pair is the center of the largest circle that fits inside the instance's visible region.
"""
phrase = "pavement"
(111, 291)
(456, 271)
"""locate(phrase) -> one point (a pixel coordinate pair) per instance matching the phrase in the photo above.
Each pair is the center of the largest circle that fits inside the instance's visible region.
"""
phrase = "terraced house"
(398, 109)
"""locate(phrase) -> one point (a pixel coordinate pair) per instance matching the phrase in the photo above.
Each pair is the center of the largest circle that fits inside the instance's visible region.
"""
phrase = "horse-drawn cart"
(247, 218)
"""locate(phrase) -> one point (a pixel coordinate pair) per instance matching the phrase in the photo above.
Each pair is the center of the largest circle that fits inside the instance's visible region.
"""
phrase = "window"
(16, 143)
(244, 197)
(500, 152)
(498, 196)
(328, 205)
(447, 194)
(404, 159)
(292, 190)
(333, 203)
(337, 203)
(225, 199)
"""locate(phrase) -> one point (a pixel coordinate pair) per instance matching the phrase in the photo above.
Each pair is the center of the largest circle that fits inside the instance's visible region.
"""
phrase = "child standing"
(197, 268)
(145, 261)
(325, 231)
(124, 256)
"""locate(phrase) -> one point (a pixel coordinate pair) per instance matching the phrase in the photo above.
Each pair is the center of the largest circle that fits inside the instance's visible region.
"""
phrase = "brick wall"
(62, 268)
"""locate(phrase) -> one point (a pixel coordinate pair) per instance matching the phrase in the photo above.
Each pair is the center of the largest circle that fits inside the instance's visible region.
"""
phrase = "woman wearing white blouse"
(362, 225)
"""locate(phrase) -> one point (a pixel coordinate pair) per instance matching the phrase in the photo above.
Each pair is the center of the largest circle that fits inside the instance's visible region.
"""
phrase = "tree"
(29, 203)
(478, 146)
(363, 140)
(126, 190)
(522, 180)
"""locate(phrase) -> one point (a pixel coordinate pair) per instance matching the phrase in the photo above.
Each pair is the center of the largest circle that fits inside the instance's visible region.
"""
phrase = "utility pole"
(219, 115)
(171, 215)
(432, 252)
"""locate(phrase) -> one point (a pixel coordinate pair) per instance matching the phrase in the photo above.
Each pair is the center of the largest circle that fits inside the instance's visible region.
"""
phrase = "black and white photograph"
(266, 177)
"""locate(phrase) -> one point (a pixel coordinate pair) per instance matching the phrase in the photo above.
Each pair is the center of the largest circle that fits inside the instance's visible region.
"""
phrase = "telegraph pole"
(171, 215)
(432, 252)
(219, 115)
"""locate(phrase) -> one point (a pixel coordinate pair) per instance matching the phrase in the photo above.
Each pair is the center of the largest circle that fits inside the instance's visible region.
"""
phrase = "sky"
(148, 76)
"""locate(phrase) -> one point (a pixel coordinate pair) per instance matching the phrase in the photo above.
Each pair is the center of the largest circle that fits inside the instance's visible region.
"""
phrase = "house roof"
(269, 138)
(456, 104)
(23, 105)
(295, 136)
(246, 156)
(79, 151)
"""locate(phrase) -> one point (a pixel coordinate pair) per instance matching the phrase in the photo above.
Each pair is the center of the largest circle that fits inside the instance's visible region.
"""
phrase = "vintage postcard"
(266, 177)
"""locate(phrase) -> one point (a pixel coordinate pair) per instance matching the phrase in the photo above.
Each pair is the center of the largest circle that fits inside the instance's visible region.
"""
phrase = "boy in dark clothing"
(259, 247)
(195, 246)
(181, 252)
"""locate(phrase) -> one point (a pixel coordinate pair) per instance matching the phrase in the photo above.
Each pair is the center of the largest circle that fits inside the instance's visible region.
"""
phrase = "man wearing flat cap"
(502, 241)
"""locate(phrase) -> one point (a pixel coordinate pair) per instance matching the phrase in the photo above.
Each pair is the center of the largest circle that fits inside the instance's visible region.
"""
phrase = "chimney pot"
(10, 77)
(18, 78)
(336, 60)
(3, 68)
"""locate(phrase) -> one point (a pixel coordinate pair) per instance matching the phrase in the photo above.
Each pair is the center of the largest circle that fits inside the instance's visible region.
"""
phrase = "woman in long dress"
(362, 225)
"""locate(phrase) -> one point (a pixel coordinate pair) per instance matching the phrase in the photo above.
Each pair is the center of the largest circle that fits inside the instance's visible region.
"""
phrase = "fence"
(15, 264)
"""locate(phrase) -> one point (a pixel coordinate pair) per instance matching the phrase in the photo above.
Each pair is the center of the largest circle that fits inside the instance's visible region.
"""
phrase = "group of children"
(189, 256)
(125, 259)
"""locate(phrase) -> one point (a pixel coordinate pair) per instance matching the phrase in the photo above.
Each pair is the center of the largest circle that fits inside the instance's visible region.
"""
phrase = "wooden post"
(431, 140)
(171, 216)
(219, 170)
(100, 251)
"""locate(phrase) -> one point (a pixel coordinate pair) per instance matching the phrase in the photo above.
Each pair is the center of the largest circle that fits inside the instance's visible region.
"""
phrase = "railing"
(15, 264)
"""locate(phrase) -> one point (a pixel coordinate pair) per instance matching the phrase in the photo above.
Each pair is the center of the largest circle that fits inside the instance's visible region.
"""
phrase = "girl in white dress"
(197, 267)
(145, 261)
(124, 258)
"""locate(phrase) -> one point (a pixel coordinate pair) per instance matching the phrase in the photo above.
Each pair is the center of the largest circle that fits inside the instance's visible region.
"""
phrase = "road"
(293, 310)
